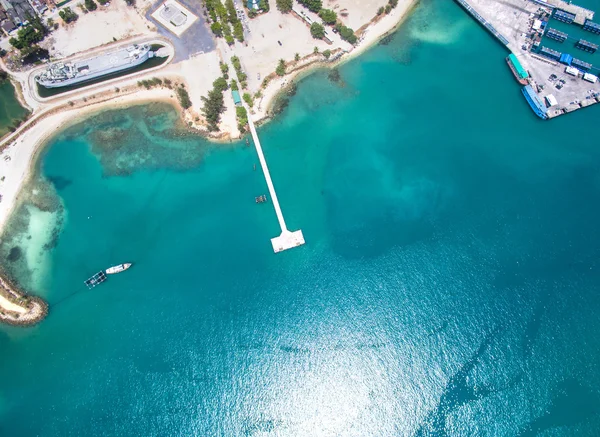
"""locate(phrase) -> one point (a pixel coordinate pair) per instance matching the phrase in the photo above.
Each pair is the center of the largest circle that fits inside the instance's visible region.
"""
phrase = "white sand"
(355, 13)
(370, 37)
(106, 24)
(9, 306)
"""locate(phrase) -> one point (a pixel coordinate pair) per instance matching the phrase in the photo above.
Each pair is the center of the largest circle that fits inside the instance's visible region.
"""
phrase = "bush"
(312, 5)
(233, 85)
(380, 11)
(317, 30)
(103, 2)
(285, 5)
(90, 5)
(183, 97)
(393, 3)
(328, 16)
(248, 99)
(327, 53)
(224, 67)
(297, 57)
(242, 117)
(280, 70)
(388, 9)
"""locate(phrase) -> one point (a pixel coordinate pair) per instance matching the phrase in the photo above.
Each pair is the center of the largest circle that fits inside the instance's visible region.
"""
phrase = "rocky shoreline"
(20, 309)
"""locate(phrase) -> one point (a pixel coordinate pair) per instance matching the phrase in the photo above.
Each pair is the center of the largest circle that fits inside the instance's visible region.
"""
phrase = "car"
(279, 42)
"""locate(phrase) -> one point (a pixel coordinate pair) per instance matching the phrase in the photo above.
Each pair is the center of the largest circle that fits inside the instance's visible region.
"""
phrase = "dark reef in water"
(15, 254)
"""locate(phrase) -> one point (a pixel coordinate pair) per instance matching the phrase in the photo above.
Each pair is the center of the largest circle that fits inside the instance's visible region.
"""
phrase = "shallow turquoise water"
(448, 285)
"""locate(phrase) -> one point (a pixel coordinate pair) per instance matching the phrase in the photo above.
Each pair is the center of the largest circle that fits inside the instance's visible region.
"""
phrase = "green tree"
(183, 97)
(216, 28)
(212, 108)
(242, 117)
(285, 5)
(238, 31)
(346, 33)
(327, 53)
(68, 15)
(312, 5)
(297, 57)
(231, 12)
(317, 30)
(90, 5)
(248, 99)
(263, 5)
(380, 10)
(316, 50)
(328, 16)
(393, 3)
(220, 84)
(280, 70)
(233, 85)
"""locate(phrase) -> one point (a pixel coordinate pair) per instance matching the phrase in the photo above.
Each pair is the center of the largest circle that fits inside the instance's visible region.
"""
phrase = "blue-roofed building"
(236, 97)
(252, 4)
(566, 59)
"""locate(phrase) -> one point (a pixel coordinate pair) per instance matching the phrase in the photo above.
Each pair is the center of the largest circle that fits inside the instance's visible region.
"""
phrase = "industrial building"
(556, 35)
(590, 26)
(586, 46)
(563, 16)
(549, 53)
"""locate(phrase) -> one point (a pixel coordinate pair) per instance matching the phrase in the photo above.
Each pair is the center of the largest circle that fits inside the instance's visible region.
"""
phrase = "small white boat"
(117, 269)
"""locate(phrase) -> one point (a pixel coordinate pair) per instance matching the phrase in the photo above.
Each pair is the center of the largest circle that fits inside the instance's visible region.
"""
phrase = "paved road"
(197, 39)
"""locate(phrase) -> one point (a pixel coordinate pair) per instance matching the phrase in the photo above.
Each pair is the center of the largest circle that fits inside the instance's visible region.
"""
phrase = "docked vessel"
(517, 69)
(117, 269)
(63, 74)
(535, 102)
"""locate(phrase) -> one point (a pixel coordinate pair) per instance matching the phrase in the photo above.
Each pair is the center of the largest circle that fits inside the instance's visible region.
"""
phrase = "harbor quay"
(554, 82)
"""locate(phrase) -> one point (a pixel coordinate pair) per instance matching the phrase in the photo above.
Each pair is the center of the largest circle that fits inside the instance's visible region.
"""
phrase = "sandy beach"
(371, 36)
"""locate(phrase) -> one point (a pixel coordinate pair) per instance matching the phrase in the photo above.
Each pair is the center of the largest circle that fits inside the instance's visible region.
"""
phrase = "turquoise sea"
(449, 284)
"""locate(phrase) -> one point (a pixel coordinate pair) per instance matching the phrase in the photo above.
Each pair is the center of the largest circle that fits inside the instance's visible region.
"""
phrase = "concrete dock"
(581, 14)
(287, 239)
(515, 20)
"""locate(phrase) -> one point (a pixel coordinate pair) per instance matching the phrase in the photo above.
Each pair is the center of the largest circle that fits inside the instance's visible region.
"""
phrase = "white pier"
(287, 239)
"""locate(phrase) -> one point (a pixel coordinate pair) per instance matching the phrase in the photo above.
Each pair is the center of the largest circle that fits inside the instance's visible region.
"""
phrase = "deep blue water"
(449, 284)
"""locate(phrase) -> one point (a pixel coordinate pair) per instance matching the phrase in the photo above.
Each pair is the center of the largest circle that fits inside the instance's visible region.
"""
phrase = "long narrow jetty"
(287, 239)
(483, 21)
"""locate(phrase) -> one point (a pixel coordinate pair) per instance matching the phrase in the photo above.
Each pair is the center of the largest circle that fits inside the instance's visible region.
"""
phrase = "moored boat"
(118, 269)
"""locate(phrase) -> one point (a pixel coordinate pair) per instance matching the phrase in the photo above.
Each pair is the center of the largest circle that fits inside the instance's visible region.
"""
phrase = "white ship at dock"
(62, 74)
